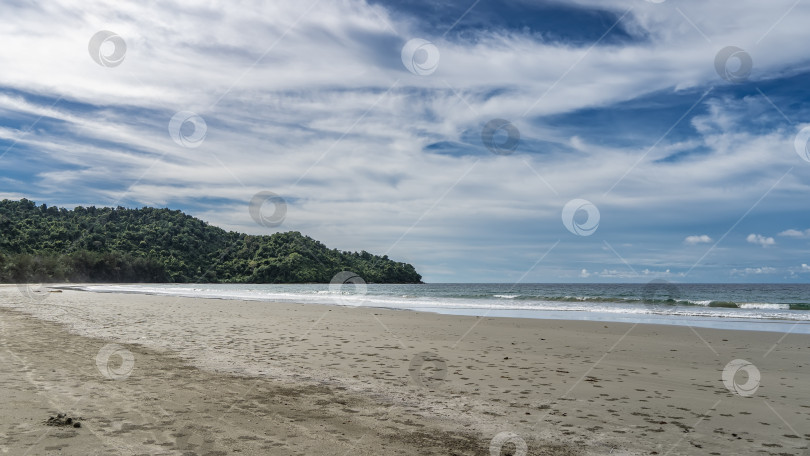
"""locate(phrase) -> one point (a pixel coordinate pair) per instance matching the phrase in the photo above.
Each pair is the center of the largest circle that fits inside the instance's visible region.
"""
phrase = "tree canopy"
(89, 244)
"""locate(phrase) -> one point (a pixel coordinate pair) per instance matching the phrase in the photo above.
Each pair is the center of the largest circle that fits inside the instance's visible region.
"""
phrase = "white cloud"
(302, 103)
(584, 273)
(694, 240)
(754, 271)
(760, 239)
(796, 233)
(645, 274)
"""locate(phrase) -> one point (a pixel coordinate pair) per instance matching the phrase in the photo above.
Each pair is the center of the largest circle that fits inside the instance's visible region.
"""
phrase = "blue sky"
(694, 175)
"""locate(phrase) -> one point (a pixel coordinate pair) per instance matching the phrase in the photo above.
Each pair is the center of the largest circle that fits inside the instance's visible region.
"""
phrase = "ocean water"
(768, 307)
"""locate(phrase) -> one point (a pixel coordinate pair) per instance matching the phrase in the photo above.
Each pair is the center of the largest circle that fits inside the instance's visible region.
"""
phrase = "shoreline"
(586, 387)
(731, 323)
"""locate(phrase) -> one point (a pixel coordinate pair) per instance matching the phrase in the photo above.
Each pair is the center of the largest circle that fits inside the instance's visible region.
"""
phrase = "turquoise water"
(776, 307)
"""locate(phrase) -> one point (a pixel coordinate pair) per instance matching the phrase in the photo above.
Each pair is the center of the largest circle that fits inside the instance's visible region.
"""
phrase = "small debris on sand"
(62, 419)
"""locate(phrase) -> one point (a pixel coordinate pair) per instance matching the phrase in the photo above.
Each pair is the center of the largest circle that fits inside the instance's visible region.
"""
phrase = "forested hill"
(51, 244)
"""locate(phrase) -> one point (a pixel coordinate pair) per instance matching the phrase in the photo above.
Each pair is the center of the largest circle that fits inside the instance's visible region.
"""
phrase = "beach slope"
(158, 375)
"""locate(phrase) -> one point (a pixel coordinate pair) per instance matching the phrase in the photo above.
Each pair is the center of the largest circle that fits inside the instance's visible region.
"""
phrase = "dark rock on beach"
(63, 420)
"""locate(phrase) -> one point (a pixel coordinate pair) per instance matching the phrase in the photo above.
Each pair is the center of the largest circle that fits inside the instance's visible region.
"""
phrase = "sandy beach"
(160, 375)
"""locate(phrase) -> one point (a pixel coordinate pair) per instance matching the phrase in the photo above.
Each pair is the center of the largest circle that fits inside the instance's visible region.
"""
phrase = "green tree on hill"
(41, 243)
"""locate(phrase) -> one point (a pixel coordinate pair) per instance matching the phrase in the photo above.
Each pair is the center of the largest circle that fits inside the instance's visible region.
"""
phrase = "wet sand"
(198, 376)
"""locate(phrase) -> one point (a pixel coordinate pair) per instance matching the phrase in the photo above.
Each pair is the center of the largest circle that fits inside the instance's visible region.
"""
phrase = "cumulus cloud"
(759, 239)
(697, 239)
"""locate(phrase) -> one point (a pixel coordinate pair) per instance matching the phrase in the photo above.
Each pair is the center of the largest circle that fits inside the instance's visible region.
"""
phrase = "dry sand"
(196, 376)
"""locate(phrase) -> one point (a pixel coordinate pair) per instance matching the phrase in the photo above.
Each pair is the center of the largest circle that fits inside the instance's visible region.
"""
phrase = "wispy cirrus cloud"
(617, 102)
